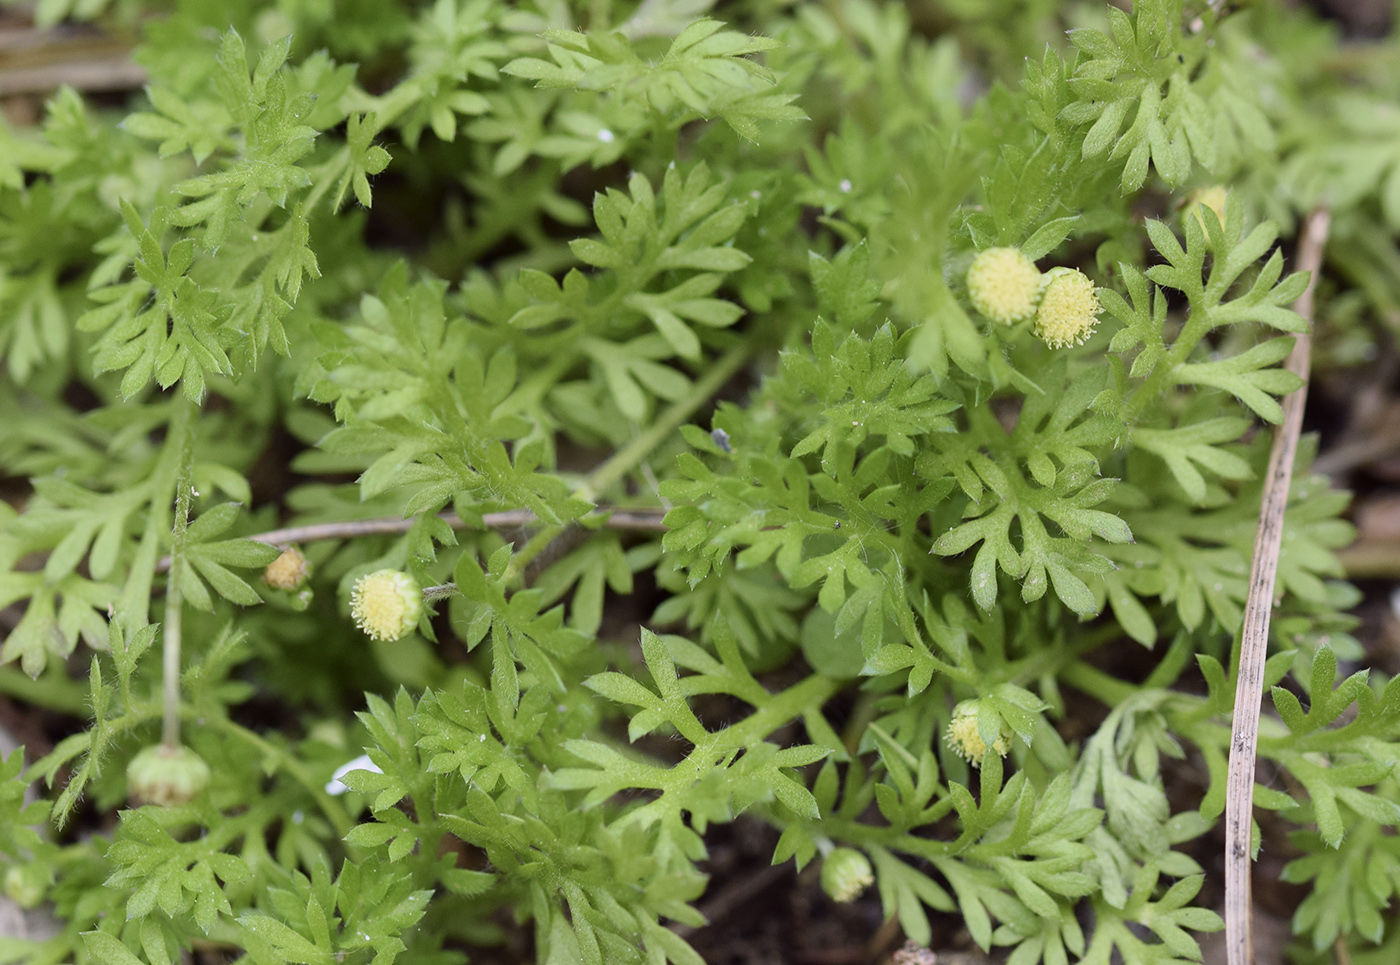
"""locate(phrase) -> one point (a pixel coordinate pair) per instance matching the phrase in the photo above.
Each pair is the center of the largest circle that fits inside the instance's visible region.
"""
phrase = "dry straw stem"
(642, 520)
(1371, 561)
(38, 61)
(1254, 636)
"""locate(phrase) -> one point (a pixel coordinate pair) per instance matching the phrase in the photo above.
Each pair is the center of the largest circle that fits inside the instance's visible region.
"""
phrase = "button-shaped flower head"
(386, 604)
(165, 775)
(965, 738)
(288, 571)
(1004, 285)
(1069, 308)
(845, 874)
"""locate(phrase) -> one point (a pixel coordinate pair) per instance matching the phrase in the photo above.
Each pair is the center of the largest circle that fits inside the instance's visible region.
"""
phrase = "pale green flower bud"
(26, 885)
(845, 874)
(165, 775)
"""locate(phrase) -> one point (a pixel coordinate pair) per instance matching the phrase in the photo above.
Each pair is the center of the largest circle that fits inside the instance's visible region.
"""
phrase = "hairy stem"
(333, 810)
(182, 443)
(626, 459)
(283, 759)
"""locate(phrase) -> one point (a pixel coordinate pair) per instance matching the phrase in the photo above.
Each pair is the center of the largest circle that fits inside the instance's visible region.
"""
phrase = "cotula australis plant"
(915, 354)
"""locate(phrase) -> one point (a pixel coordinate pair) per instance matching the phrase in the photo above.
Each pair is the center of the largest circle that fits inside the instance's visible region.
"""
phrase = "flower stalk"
(182, 442)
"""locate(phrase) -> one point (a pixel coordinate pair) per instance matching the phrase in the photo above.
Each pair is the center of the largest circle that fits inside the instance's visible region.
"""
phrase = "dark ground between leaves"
(759, 914)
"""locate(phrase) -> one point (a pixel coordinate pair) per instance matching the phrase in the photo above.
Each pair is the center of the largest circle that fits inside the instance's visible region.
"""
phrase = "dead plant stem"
(1254, 635)
(641, 520)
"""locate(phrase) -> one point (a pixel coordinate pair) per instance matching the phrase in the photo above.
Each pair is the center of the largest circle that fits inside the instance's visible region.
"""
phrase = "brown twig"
(635, 520)
(111, 74)
(1352, 455)
(1254, 636)
(1371, 561)
(39, 61)
(733, 895)
(1369, 434)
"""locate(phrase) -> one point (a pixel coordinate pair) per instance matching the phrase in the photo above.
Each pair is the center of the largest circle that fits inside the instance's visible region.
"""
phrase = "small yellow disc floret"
(1004, 285)
(1069, 308)
(966, 740)
(386, 604)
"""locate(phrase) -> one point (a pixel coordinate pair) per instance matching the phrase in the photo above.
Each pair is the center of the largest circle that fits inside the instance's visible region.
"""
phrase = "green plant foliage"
(639, 335)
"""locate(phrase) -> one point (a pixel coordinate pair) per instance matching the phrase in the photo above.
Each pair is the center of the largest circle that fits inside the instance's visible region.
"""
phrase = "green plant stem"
(52, 691)
(431, 594)
(182, 443)
(388, 107)
(1027, 670)
(327, 175)
(626, 459)
(1097, 684)
(784, 706)
(334, 811)
(1198, 324)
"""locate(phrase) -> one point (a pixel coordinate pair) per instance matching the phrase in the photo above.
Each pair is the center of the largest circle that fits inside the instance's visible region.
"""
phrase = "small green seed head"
(386, 604)
(167, 776)
(845, 874)
(1004, 285)
(1069, 308)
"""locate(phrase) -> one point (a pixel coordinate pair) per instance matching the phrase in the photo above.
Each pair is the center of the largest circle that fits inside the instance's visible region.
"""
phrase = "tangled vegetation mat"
(590, 481)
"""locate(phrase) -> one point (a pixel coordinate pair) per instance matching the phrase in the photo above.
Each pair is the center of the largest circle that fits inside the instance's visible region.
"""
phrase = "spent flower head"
(288, 571)
(965, 737)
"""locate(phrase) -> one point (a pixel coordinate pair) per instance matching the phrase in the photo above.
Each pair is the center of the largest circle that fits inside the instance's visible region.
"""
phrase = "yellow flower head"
(1069, 308)
(1004, 285)
(966, 740)
(288, 571)
(386, 604)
